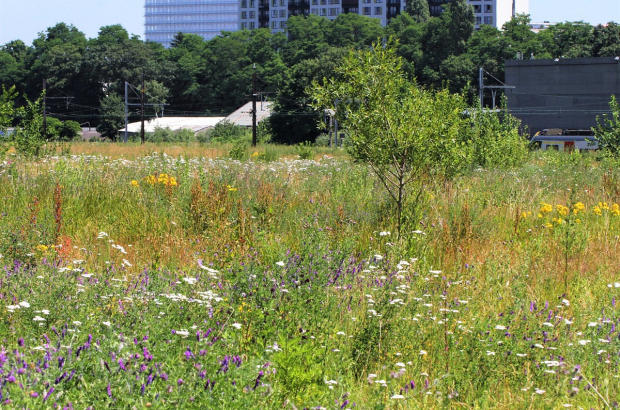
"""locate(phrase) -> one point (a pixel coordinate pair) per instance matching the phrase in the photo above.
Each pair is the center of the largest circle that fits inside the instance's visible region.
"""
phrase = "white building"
(498, 12)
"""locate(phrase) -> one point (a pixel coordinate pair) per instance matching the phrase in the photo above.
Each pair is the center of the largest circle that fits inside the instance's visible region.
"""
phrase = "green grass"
(273, 284)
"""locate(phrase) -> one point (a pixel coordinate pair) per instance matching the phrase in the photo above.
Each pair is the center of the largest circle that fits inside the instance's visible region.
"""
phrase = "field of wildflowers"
(180, 281)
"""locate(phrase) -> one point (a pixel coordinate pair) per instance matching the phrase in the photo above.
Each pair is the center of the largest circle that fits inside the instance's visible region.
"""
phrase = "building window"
(315, 2)
(244, 15)
(488, 20)
(252, 3)
(252, 25)
(252, 14)
(477, 8)
(244, 25)
(334, 1)
(323, 1)
(274, 24)
(274, 3)
(367, 1)
(274, 13)
(478, 20)
(488, 8)
(244, 4)
(366, 11)
(378, 10)
(283, 24)
(323, 12)
(333, 12)
(378, 1)
(315, 11)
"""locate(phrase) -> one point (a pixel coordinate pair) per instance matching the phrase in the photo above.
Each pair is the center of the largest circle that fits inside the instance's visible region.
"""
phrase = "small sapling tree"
(408, 135)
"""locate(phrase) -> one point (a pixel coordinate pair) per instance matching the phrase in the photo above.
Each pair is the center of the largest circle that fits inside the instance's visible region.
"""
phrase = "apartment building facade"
(208, 18)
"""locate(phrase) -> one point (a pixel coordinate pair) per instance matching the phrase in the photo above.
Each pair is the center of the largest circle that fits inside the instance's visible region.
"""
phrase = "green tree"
(605, 40)
(27, 138)
(70, 131)
(353, 31)
(157, 94)
(568, 40)
(405, 133)
(461, 21)
(112, 113)
(607, 131)
(419, 10)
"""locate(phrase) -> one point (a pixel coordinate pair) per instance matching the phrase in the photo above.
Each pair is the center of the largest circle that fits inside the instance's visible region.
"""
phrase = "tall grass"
(155, 280)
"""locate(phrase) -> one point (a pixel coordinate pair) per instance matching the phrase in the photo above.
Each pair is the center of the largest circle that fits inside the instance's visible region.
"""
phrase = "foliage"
(112, 116)
(607, 131)
(403, 132)
(227, 131)
(304, 150)
(419, 10)
(27, 138)
(496, 140)
(239, 150)
(70, 131)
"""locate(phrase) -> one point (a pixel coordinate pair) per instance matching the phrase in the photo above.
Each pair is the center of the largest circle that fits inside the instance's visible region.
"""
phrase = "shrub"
(304, 150)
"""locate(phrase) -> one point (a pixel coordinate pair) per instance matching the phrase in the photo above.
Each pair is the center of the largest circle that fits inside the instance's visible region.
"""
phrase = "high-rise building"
(208, 18)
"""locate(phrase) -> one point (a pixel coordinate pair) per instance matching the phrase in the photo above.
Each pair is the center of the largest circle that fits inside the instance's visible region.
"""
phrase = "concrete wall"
(568, 93)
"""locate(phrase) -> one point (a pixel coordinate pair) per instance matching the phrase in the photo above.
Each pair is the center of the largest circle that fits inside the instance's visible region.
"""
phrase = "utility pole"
(481, 86)
(254, 106)
(142, 111)
(126, 110)
(44, 113)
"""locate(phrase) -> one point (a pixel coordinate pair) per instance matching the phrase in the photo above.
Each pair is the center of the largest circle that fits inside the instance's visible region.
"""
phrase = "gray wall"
(568, 93)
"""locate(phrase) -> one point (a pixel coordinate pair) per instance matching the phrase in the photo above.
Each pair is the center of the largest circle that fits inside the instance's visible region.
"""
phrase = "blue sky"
(23, 19)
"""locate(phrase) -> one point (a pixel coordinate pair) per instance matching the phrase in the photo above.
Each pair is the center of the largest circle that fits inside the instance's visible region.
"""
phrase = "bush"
(70, 131)
(304, 150)
(226, 131)
(167, 135)
(322, 140)
(607, 131)
(239, 151)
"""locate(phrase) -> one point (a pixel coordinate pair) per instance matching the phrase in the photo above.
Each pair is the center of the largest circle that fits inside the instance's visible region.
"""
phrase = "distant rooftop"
(243, 116)
(195, 124)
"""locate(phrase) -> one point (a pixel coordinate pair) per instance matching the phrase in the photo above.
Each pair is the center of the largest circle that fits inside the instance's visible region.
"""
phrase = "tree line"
(86, 77)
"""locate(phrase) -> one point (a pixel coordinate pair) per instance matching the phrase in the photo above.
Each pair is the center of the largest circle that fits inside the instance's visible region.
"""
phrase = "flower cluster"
(154, 180)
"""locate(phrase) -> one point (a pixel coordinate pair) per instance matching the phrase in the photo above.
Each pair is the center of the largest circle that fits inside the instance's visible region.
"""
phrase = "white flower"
(489, 353)
(126, 263)
(400, 364)
(566, 302)
(183, 333)
(592, 324)
(107, 323)
(372, 376)
(435, 272)
(521, 354)
(397, 397)
(341, 333)
(539, 391)
(77, 322)
(603, 340)
(539, 346)
(24, 304)
(584, 342)
(45, 311)
(191, 281)
(38, 319)
(423, 352)
(547, 324)
(280, 263)
(500, 327)
(236, 325)
(87, 275)
(384, 233)
(568, 322)
(330, 382)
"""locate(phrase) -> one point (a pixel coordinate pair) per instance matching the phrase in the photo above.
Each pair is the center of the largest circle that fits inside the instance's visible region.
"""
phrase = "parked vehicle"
(565, 140)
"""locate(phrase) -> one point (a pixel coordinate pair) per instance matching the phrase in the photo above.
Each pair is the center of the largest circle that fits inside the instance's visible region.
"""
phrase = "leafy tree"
(607, 131)
(569, 40)
(112, 114)
(461, 21)
(8, 112)
(156, 93)
(27, 138)
(353, 31)
(405, 133)
(419, 10)
(293, 120)
(605, 40)
(307, 38)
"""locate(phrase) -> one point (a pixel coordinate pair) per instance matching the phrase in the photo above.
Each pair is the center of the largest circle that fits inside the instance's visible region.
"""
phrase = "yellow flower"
(231, 189)
(562, 210)
(540, 215)
(545, 208)
(548, 225)
(597, 211)
(42, 248)
(578, 220)
(134, 183)
(578, 207)
(523, 215)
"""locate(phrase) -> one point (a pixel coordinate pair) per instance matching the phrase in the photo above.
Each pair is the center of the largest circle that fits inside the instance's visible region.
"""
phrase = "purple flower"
(164, 376)
(344, 404)
(34, 394)
(109, 390)
(180, 382)
(20, 342)
(49, 393)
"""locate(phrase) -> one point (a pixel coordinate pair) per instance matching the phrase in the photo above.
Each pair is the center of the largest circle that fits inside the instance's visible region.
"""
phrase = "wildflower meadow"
(191, 280)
